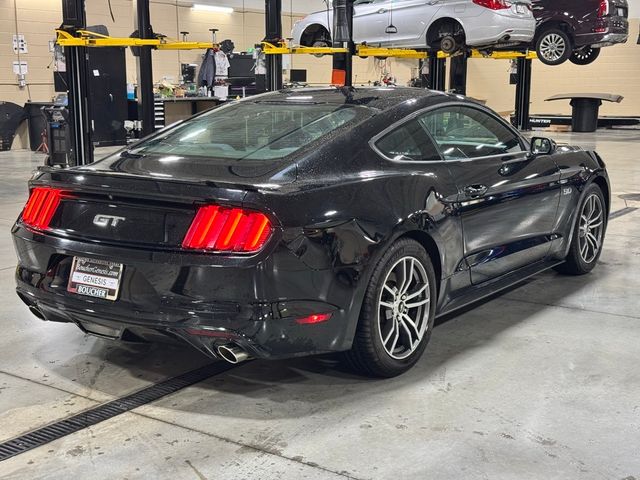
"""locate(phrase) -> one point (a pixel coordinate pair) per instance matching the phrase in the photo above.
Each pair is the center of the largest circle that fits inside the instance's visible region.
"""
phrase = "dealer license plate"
(95, 278)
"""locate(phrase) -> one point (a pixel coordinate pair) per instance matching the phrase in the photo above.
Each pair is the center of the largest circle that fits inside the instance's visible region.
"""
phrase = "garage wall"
(36, 20)
(617, 70)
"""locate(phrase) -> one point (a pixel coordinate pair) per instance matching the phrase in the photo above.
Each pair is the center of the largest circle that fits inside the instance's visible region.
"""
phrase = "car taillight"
(493, 4)
(224, 229)
(41, 206)
(603, 9)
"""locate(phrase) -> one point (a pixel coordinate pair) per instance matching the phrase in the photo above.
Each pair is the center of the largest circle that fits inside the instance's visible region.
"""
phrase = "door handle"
(382, 10)
(475, 191)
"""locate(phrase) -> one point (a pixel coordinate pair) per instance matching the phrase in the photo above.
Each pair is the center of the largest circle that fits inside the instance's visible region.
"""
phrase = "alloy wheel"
(591, 228)
(583, 54)
(552, 47)
(403, 307)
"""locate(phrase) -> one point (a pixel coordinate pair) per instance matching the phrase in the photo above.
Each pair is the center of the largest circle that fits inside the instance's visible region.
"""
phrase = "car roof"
(381, 98)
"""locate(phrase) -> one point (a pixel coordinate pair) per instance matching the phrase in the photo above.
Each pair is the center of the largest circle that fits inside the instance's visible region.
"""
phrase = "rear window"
(253, 130)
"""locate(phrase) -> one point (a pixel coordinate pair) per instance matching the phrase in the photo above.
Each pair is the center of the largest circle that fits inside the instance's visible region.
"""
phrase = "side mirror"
(542, 146)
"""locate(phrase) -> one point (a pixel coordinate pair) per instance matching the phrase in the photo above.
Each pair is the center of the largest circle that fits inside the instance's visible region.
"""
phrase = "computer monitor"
(298, 76)
(188, 71)
(241, 66)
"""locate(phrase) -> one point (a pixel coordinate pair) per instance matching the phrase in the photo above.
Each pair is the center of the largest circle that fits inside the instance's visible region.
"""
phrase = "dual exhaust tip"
(233, 353)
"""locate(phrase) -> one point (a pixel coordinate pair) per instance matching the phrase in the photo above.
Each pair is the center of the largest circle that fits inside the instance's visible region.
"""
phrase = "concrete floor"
(541, 382)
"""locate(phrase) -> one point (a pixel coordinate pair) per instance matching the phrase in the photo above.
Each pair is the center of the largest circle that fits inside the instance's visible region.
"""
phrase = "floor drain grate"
(88, 418)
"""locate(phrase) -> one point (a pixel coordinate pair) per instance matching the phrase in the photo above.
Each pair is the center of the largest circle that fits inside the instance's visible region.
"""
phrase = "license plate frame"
(95, 278)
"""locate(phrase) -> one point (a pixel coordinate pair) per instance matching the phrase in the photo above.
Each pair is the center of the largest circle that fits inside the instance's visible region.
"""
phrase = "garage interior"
(536, 381)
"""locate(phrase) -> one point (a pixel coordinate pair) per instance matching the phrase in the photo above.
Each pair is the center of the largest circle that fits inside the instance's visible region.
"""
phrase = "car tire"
(585, 55)
(588, 234)
(385, 310)
(554, 47)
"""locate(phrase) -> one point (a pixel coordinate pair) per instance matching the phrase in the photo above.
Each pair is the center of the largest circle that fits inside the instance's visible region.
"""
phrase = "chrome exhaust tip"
(37, 312)
(233, 353)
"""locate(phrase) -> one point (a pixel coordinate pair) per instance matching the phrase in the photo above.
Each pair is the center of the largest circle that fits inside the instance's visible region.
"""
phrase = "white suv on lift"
(446, 25)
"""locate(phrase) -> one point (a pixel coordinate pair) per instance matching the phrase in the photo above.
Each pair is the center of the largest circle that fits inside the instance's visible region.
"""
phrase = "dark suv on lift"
(576, 29)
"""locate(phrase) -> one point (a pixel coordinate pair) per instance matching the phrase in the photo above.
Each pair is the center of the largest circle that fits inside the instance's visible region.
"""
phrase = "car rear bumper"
(611, 31)
(611, 39)
(257, 307)
(492, 28)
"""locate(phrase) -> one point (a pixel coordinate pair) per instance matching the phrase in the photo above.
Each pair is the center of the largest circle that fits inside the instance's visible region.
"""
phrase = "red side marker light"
(315, 318)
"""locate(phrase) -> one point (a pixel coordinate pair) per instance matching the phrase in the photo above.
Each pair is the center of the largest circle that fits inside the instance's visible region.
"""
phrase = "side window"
(408, 142)
(463, 132)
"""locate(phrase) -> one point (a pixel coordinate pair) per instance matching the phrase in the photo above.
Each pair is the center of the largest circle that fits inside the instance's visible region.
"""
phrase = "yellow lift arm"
(93, 39)
(283, 49)
(367, 51)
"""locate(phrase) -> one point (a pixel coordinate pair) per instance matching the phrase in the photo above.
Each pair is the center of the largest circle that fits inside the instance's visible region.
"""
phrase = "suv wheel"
(553, 47)
(585, 55)
(397, 313)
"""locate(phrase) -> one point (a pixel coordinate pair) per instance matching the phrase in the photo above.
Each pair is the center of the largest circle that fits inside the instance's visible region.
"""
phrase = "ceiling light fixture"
(211, 8)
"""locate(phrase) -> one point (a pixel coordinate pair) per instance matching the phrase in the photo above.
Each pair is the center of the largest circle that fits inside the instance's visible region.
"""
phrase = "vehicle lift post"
(81, 149)
(145, 69)
(458, 73)
(273, 27)
(74, 18)
(437, 73)
(523, 94)
(343, 34)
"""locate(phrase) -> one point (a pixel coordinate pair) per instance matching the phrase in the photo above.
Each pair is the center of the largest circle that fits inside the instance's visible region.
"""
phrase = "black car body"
(335, 204)
(585, 26)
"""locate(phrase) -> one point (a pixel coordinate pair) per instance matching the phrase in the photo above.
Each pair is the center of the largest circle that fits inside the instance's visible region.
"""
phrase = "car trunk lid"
(125, 208)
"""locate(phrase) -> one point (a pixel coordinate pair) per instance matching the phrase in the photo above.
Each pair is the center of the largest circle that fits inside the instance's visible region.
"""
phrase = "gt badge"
(107, 220)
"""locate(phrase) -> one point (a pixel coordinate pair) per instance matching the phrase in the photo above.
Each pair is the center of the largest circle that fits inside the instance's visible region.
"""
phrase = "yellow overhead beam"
(93, 39)
(505, 55)
(368, 51)
(283, 49)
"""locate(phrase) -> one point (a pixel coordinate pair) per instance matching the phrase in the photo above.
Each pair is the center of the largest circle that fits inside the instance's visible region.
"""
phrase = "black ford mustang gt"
(308, 221)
